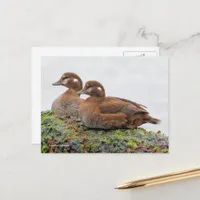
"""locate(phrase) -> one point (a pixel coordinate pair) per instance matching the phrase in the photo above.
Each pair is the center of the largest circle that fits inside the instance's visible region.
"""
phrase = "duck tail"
(154, 120)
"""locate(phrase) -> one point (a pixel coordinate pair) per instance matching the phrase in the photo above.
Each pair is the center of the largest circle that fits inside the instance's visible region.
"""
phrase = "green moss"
(155, 148)
(164, 150)
(70, 137)
(132, 144)
(45, 149)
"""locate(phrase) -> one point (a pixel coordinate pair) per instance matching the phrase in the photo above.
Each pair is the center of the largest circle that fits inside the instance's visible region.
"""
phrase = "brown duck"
(67, 104)
(101, 112)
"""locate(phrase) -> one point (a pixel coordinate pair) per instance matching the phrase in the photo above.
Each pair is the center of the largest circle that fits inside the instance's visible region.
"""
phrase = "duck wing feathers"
(132, 102)
(112, 105)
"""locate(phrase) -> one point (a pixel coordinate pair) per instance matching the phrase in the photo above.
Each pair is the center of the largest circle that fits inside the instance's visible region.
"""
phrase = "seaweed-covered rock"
(67, 136)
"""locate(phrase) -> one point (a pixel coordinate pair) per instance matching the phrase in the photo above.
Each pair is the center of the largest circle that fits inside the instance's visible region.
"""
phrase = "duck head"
(93, 89)
(70, 80)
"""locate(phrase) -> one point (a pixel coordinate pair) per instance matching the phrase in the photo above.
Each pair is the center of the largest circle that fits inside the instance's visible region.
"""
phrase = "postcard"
(39, 52)
(104, 104)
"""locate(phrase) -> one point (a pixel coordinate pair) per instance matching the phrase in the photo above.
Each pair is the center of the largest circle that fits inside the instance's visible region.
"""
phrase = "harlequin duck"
(101, 112)
(67, 104)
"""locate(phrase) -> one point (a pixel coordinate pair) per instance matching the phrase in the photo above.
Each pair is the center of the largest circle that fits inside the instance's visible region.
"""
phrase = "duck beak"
(81, 92)
(57, 83)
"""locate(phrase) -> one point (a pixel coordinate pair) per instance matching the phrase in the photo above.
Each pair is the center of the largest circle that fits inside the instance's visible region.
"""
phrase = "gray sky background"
(140, 79)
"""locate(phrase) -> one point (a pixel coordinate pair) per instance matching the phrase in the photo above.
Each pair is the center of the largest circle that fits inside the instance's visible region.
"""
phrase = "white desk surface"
(27, 174)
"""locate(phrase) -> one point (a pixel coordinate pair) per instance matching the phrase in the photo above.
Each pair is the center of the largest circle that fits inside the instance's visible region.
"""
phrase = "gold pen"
(156, 180)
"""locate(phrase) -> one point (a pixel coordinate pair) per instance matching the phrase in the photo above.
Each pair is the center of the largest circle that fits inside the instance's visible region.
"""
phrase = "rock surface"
(66, 136)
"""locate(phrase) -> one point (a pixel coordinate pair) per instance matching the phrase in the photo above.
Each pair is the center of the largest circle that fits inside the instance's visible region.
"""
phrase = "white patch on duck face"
(89, 90)
(99, 88)
(75, 80)
(65, 81)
